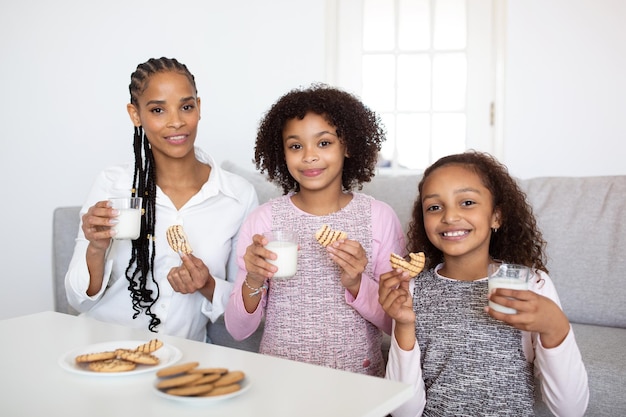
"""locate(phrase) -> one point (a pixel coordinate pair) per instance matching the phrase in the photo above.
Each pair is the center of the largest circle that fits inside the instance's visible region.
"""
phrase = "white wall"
(566, 88)
(64, 75)
(65, 68)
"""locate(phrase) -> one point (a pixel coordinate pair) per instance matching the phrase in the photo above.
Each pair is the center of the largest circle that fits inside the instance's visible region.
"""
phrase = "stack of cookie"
(121, 360)
(188, 380)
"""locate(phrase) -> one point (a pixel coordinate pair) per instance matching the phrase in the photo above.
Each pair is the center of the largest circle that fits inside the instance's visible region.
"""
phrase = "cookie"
(190, 390)
(325, 235)
(96, 356)
(413, 267)
(226, 389)
(177, 369)
(206, 371)
(138, 357)
(229, 378)
(206, 379)
(177, 239)
(112, 365)
(149, 347)
(178, 381)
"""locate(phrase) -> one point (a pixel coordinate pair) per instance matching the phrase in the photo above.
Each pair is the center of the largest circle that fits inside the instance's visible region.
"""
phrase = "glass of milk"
(284, 243)
(129, 219)
(503, 275)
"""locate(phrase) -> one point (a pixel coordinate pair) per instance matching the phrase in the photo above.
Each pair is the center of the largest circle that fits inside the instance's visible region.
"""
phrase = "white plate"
(245, 386)
(167, 354)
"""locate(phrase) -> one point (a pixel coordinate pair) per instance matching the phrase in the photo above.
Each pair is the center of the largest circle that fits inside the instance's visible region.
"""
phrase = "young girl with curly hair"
(463, 357)
(318, 144)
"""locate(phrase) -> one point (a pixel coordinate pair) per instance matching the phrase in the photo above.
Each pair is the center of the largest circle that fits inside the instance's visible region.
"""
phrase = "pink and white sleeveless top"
(307, 318)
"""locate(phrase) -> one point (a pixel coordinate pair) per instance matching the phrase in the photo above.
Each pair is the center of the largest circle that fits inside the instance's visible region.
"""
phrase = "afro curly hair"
(358, 127)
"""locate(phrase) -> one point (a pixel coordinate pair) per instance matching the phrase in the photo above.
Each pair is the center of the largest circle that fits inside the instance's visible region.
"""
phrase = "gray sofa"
(584, 222)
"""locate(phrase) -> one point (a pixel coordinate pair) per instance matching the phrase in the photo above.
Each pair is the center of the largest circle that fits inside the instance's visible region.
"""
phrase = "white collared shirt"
(211, 220)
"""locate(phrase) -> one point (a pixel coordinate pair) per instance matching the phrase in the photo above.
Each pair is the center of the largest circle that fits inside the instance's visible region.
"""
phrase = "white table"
(32, 383)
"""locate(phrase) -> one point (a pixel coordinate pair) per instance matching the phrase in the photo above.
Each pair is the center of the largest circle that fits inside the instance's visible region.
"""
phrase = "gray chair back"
(65, 222)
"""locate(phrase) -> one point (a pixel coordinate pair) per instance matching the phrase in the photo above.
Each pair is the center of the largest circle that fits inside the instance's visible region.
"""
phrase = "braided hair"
(141, 265)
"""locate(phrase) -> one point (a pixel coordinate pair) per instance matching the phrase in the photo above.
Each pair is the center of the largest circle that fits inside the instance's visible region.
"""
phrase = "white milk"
(129, 224)
(505, 283)
(286, 258)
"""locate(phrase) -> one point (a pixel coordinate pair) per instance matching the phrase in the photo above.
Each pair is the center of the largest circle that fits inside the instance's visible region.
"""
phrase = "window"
(426, 66)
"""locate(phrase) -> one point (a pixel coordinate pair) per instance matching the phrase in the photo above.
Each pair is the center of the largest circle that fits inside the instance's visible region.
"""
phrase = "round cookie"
(177, 239)
(229, 378)
(226, 389)
(177, 369)
(206, 371)
(413, 267)
(325, 235)
(112, 365)
(206, 379)
(190, 390)
(178, 381)
(139, 357)
(97, 356)
(150, 346)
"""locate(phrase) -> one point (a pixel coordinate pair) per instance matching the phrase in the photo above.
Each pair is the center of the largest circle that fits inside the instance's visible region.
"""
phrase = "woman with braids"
(318, 144)
(143, 283)
(462, 357)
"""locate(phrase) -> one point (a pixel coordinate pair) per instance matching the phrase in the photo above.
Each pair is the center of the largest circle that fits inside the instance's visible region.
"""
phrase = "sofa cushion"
(265, 190)
(583, 221)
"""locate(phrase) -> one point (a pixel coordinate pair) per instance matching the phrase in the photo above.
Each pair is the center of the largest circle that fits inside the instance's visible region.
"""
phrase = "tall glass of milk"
(284, 243)
(503, 275)
(129, 220)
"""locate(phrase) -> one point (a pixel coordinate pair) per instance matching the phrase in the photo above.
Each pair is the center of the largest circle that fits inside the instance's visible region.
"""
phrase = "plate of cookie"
(122, 357)
(190, 383)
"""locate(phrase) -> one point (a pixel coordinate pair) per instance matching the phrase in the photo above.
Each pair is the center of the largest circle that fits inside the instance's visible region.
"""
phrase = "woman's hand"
(98, 225)
(352, 259)
(191, 276)
(535, 313)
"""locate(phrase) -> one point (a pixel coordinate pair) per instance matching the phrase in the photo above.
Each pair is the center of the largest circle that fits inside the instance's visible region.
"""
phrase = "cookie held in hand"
(178, 240)
(325, 235)
(413, 267)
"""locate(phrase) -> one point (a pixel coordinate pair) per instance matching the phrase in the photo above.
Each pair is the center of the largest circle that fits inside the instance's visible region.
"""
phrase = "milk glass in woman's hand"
(503, 275)
(284, 243)
(129, 220)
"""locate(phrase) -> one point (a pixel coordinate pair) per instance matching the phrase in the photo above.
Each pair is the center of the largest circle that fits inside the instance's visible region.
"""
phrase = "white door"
(426, 66)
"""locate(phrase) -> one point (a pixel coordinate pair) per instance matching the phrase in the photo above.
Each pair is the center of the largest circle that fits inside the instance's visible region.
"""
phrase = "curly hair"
(141, 265)
(358, 127)
(517, 240)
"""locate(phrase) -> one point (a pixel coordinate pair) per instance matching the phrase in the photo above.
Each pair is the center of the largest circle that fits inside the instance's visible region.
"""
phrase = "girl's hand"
(535, 313)
(352, 259)
(257, 267)
(97, 225)
(395, 298)
(191, 276)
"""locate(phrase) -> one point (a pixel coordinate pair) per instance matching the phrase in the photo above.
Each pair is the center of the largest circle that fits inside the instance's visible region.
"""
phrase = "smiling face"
(458, 212)
(169, 111)
(314, 153)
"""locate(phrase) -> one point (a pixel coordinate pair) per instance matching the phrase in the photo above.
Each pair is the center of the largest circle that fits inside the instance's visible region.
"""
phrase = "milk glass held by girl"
(461, 356)
(318, 144)
(143, 283)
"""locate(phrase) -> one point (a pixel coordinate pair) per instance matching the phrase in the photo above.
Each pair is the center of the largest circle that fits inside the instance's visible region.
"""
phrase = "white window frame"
(486, 41)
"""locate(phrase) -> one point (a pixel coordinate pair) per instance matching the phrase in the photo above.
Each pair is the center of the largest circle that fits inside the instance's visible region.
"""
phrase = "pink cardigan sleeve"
(239, 323)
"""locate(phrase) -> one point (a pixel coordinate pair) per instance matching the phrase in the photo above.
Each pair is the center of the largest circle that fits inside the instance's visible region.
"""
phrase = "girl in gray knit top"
(462, 357)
